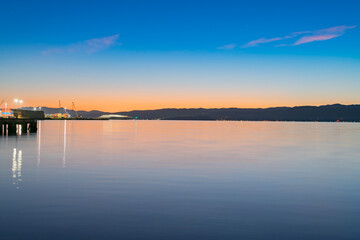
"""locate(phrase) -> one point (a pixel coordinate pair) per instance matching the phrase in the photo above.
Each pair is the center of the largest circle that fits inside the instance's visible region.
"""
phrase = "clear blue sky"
(180, 53)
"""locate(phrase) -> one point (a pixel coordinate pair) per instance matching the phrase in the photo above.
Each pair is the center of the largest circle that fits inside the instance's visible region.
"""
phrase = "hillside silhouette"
(335, 112)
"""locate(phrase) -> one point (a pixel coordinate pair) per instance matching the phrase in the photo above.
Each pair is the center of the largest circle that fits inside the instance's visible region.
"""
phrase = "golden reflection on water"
(39, 143)
(92, 142)
(150, 174)
(16, 167)
(180, 144)
(64, 152)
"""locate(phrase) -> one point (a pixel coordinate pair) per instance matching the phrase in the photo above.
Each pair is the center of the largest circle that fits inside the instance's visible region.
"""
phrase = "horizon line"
(322, 105)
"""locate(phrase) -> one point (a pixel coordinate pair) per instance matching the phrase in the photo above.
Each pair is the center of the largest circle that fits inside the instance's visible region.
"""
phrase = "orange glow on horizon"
(118, 100)
(113, 104)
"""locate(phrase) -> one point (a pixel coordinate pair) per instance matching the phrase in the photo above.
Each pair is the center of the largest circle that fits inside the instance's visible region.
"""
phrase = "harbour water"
(181, 180)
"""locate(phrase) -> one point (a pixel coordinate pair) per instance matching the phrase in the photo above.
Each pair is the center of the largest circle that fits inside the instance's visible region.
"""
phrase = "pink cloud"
(311, 36)
(337, 29)
(323, 34)
(308, 39)
(88, 46)
(260, 41)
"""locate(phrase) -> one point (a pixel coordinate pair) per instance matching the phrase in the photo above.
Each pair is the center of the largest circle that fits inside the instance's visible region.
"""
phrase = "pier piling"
(17, 126)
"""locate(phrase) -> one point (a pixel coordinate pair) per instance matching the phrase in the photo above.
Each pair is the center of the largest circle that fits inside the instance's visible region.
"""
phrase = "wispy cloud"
(255, 43)
(303, 37)
(309, 39)
(228, 47)
(323, 34)
(88, 46)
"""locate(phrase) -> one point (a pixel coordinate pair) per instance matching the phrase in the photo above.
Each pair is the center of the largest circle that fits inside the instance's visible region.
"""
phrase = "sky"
(131, 54)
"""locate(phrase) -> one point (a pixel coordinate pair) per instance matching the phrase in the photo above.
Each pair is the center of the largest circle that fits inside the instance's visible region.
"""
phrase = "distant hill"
(302, 113)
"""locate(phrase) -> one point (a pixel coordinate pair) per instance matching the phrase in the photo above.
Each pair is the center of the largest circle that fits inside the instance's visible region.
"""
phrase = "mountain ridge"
(330, 112)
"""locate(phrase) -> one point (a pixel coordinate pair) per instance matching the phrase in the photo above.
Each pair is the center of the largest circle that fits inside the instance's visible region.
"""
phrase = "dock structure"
(13, 126)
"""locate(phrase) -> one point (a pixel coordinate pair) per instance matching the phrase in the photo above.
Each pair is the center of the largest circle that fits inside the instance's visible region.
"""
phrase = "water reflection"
(39, 143)
(64, 152)
(52, 138)
(181, 180)
(16, 167)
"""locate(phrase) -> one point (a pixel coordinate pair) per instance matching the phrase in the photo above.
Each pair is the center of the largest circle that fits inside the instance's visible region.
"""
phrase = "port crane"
(62, 109)
(74, 110)
(2, 103)
(59, 106)
(60, 114)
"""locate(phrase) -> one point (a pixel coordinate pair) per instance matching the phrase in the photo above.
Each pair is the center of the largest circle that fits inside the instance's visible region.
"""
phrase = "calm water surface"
(181, 180)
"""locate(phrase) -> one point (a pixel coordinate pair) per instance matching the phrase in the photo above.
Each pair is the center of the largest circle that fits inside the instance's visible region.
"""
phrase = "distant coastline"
(324, 113)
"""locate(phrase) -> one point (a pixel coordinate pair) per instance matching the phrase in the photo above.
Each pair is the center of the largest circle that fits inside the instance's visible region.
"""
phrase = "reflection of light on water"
(16, 167)
(39, 144)
(14, 163)
(64, 153)
(18, 129)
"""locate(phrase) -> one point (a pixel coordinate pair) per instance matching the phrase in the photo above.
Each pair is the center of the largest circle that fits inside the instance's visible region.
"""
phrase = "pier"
(13, 126)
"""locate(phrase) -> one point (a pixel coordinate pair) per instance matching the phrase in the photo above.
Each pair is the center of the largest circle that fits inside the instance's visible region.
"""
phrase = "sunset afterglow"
(228, 57)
